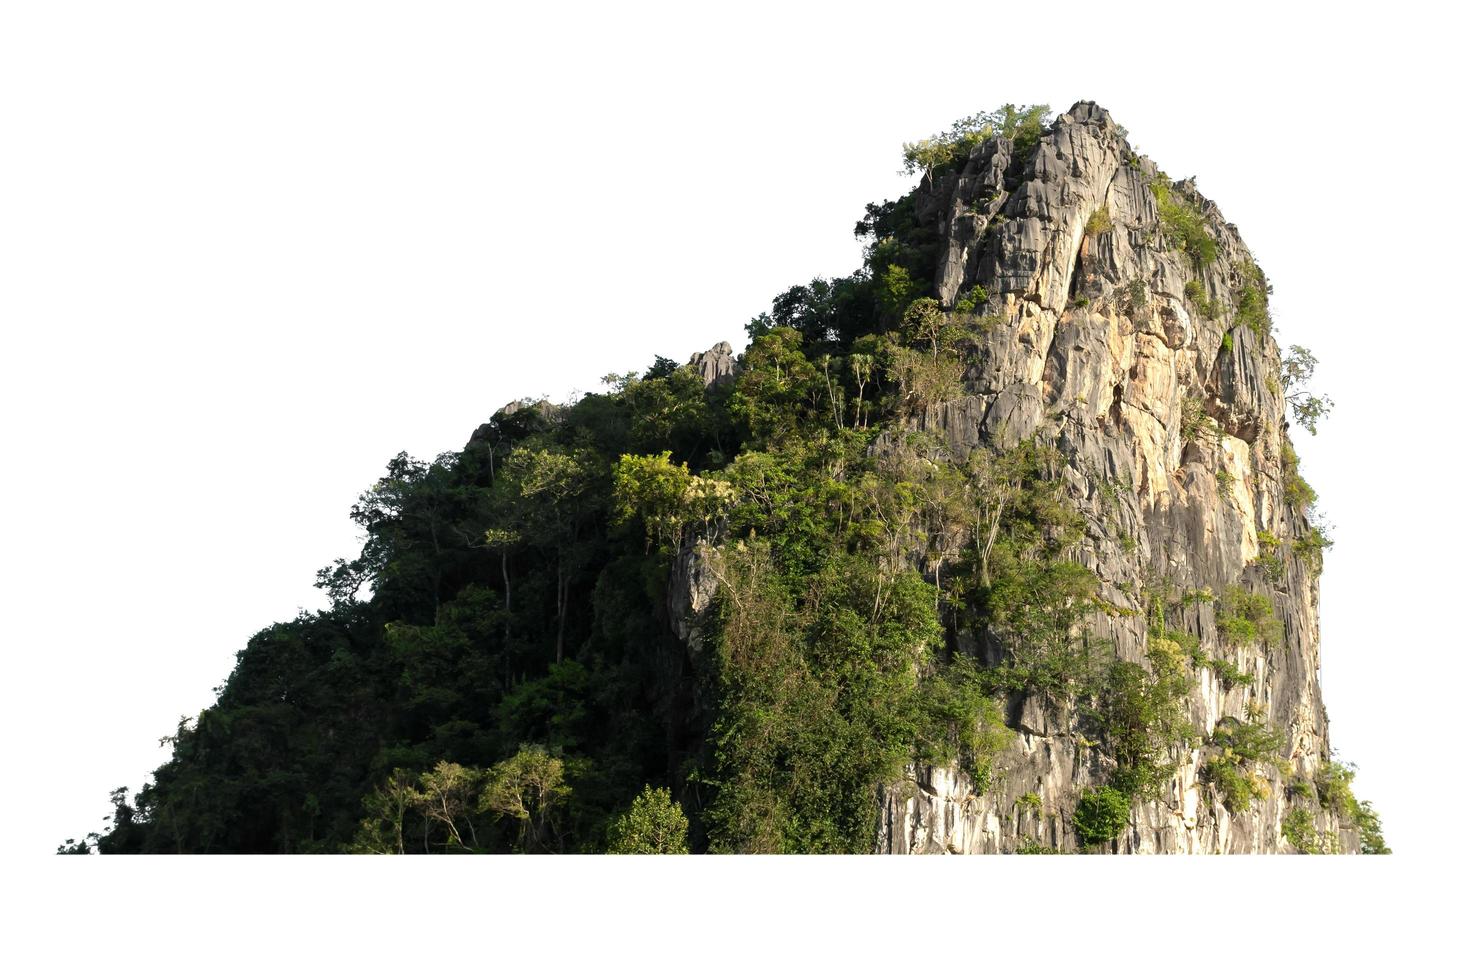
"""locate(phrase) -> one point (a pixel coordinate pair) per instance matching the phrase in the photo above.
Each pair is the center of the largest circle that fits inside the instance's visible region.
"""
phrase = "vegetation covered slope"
(506, 666)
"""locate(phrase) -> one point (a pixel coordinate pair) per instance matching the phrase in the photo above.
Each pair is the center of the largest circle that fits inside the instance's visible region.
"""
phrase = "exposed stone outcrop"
(485, 434)
(1101, 352)
(692, 587)
(716, 365)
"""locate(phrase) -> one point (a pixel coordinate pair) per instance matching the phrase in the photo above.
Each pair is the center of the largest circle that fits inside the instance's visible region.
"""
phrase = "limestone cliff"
(1112, 343)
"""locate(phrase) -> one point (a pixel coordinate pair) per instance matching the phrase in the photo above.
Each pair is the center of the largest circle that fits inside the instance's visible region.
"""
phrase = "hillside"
(997, 545)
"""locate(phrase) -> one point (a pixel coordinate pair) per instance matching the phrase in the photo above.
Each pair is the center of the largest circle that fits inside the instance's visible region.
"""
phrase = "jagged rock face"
(1108, 372)
(716, 365)
(1097, 349)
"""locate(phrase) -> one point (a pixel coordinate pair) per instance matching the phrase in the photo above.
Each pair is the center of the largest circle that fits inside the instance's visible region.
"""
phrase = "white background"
(249, 251)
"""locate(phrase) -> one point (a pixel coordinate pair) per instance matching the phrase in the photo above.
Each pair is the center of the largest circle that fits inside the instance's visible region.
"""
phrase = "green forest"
(498, 670)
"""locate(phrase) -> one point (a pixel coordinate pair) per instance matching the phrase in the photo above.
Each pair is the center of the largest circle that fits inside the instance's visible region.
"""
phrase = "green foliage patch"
(1101, 815)
(1307, 408)
(1239, 748)
(1194, 291)
(1300, 832)
(943, 151)
(653, 824)
(1252, 309)
(1244, 617)
(1184, 223)
(1137, 296)
(1297, 491)
(1332, 791)
(1309, 548)
(1268, 558)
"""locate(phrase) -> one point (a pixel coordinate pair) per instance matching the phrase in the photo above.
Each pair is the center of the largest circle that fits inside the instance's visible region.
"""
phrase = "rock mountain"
(998, 545)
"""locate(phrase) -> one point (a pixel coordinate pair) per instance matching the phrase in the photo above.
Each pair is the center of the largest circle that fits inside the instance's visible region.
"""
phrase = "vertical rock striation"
(1111, 344)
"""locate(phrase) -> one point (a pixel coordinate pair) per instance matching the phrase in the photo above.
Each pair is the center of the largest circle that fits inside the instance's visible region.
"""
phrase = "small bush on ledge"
(1184, 225)
(1100, 816)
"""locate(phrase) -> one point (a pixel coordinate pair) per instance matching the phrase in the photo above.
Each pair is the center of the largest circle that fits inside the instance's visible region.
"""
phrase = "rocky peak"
(716, 365)
(1140, 354)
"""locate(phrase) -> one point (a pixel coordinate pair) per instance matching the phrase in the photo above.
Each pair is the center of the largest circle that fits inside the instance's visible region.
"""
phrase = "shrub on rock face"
(1252, 307)
(1298, 830)
(1245, 617)
(1237, 788)
(942, 151)
(1100, 816)
(1137, 295)
(1184, 225)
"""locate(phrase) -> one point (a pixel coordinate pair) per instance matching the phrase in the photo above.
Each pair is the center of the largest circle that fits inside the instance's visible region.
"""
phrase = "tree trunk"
(505, 576)
(561, 608)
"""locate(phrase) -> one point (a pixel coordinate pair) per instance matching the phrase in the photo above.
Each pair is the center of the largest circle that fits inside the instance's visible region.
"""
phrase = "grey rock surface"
(716, 365)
